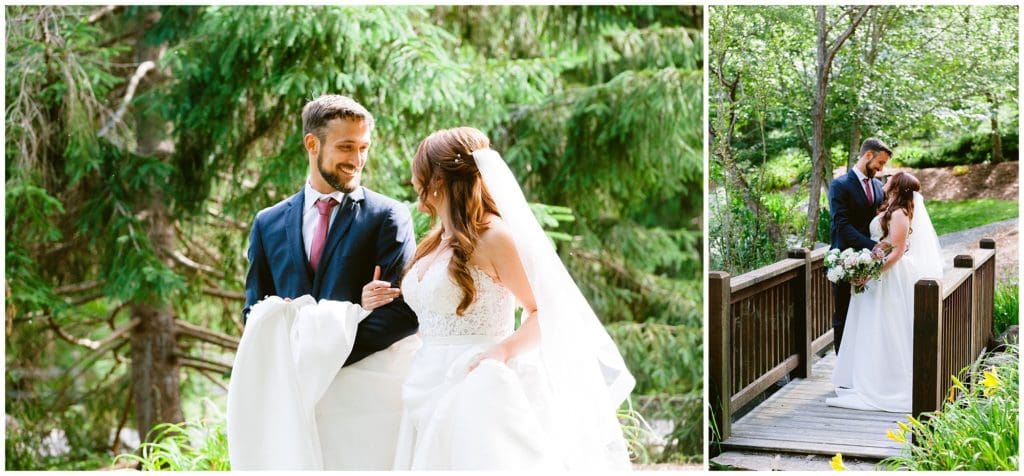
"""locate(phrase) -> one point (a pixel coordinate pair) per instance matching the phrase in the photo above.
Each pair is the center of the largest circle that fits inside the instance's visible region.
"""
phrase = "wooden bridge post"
(985, 306)
(719, 347)
(802, 333)
(927, 393)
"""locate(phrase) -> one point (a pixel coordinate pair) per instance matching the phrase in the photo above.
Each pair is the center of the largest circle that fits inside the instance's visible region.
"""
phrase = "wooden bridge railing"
(767, 323)
(952, 324)
(764, 325)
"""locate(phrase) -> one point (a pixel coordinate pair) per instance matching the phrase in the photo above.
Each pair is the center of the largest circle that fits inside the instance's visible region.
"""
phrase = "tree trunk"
(818, 125)
(855, 138)
(155, 383)
(826, 178)
(997, 140)
(155, 371)
(879, 21)
(825, 53)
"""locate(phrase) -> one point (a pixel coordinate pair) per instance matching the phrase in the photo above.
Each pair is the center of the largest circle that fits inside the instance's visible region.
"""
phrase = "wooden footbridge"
(774, 325)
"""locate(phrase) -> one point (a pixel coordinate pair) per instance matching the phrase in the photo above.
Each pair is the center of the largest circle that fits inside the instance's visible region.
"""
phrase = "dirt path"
(979, 181)
(974, 181)
(1007, 245)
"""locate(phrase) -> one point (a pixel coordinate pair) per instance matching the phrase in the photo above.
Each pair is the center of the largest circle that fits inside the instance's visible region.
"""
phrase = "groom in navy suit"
(853, 201)
(326, 239)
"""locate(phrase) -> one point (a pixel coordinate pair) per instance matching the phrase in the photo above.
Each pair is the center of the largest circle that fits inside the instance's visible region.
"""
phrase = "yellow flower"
(914, 421)
(896, 436)
(952, 394)
(991, 382)
(903, 426)
(837, 462)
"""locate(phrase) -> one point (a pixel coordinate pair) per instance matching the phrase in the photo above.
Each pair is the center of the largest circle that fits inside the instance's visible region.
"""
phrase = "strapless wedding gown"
(489, 419)
(874, 369)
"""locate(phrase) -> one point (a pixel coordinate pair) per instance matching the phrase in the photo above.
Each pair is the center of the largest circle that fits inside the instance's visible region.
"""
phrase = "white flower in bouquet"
(831, 257)
(865, 257)
(836, 274)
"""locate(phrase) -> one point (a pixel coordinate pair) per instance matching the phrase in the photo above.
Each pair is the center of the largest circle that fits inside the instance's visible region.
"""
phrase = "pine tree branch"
(211, 378)
(225, 220)
(114, 340)
(206, 335)
(133, 83)
(113, 314)
(65, 336)
(103, 13)
(115, 447)
(117, 335)
(196, 245)
(202, 364)
(187, 262)
(222, 293)
(85, 299)
(78, 287)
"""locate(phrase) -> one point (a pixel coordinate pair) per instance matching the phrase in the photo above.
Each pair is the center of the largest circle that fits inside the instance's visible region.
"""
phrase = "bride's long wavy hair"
(444, 167)
(901, 196)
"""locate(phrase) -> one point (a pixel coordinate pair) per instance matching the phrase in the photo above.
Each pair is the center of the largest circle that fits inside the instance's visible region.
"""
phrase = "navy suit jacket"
(851, 212)
(369, 229)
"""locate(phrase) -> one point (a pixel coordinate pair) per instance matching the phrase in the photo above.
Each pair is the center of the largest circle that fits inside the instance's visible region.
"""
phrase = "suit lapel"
(293, 219)
(860, 187)
(346, 215)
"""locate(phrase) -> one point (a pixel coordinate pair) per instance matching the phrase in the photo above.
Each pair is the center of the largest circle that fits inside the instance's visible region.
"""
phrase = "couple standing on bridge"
(874, 329)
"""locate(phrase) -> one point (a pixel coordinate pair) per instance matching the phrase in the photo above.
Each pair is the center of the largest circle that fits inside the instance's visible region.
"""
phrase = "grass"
(1006, 312)
(949, 216)
(191, 446)
(977, 431)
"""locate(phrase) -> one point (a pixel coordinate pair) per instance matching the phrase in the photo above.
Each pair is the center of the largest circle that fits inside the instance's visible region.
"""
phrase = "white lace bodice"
(435, 297)
(875, 228)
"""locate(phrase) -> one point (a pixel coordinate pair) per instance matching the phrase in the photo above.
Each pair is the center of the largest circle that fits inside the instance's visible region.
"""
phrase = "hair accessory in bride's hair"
(458, 157)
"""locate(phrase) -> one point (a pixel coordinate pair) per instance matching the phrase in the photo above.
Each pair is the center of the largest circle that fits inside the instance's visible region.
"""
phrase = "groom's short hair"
(874, 145)
(318, 112)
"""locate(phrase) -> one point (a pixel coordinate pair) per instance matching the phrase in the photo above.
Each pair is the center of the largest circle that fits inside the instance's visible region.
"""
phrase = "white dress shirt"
(860, 180)
(310, 215)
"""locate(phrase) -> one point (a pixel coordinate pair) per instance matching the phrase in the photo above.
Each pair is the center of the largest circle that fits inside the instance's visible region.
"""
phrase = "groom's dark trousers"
(851, 214)
(368, 230)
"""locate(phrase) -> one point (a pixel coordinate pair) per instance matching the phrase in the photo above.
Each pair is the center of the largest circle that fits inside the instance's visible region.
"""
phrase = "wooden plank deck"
(796, 420)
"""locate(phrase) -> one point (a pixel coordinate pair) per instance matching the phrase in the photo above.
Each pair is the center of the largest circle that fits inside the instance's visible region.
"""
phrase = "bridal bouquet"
(850, 265)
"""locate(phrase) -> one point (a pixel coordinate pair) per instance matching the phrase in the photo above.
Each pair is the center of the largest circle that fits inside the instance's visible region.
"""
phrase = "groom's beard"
(333, 179)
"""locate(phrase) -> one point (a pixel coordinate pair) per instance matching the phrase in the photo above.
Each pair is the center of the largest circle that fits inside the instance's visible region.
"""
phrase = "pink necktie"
(867, 190)
(320, 233)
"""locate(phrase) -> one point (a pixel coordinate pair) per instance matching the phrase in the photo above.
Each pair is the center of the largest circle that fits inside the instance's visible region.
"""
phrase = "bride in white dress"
(874, 368)
(481, 394)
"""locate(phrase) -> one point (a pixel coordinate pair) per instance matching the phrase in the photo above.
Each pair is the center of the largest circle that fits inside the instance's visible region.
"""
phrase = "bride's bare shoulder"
(497, 238)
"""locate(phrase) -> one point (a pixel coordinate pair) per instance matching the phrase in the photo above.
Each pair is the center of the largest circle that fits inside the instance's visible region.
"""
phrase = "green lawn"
(955, 215)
